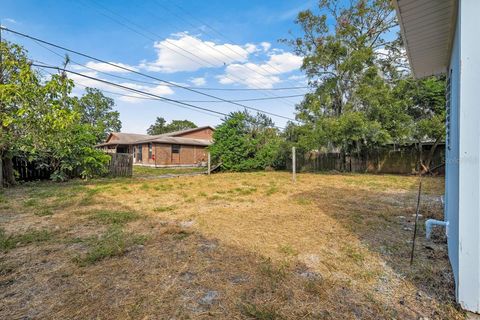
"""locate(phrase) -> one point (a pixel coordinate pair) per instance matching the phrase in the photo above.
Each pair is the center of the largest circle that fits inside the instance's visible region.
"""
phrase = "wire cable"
(145, 75)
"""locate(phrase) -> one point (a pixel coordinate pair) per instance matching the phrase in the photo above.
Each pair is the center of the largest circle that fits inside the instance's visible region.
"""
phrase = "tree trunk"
(8, 172)
(431, 153)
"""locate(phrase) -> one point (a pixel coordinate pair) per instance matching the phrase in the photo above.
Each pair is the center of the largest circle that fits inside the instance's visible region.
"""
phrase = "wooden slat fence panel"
(30, 170)
(121, 165)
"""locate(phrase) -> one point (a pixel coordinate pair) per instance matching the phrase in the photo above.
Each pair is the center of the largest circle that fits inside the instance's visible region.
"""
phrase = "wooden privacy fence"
(30, 170)
(403, 161)
(120, 165)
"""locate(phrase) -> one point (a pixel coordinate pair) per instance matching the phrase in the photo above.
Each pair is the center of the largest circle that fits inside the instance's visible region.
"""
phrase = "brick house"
(179, 148)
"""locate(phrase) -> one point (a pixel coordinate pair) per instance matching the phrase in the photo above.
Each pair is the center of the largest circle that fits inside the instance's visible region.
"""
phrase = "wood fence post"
(294, 163)
(209, 164)
(1, 172)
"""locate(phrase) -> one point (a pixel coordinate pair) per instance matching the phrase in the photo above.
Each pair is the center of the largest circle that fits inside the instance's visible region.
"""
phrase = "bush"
(244, 142)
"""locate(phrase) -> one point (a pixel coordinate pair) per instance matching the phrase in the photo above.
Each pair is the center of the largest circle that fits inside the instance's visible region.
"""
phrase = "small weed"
(189, 200)
(144, 186)
(314, 287)
(259, 312)
(114, 217)
(356, 255)
(288, 250)
(43, 212)
(215, 197)
(163, 187)
(245, 191)
(178, 233)
(6, 268)
(115, 242)
(274, 273)
(164, 209)
(30, 202)
(202, 194)
(271, 190)
(304, 201)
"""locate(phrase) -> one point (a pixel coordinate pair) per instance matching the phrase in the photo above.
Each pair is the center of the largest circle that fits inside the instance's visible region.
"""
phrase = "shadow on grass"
(384, 222)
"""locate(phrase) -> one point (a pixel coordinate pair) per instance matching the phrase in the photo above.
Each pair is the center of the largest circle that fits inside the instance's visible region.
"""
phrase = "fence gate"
(121, 165)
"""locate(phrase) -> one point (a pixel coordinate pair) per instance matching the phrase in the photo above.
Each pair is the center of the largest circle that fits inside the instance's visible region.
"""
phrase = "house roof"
(170, 137)
(180, 132)
(427, 28)
(177, 140)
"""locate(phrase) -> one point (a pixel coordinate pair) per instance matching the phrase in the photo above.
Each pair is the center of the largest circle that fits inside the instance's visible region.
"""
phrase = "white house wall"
(468, 290)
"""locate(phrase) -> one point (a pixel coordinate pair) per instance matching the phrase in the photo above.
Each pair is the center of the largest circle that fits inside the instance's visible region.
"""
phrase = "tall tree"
(161, 126)
(39, 121)
(363, 93)
(97, 111)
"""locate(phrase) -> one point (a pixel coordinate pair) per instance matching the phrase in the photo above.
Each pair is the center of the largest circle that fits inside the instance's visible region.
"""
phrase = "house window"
(175, 148)
(150, 151)
(139, 153)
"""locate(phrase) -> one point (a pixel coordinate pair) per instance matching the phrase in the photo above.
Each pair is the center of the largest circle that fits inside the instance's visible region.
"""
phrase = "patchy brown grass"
(232, 246)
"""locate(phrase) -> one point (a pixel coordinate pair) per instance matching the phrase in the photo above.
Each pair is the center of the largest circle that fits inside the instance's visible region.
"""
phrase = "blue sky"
(201, 44)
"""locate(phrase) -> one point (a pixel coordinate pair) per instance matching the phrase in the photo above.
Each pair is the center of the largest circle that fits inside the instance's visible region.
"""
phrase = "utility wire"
(143, 74)
(239, 55)
(134, 90)
(136, 97)
(142, 33)
(157, 83)
(220, 34)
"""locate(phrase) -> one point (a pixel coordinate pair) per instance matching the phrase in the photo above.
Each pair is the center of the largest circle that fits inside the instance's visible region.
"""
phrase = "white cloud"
(105, 67)
(263, 75)
(200, 81)
(266, 46)
(184, 52)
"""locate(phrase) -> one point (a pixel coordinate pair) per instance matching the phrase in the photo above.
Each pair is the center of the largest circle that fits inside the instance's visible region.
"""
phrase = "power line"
(179, 47)
(240, 55)
(134, 90)
(157, 83)
(136, 97)
(145, 75)
(221, 35)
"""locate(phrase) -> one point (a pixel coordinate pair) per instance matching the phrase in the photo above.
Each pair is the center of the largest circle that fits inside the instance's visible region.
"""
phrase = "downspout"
(433, 222)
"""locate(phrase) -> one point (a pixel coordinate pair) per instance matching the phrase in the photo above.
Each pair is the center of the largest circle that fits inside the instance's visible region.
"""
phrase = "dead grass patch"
(240, 245)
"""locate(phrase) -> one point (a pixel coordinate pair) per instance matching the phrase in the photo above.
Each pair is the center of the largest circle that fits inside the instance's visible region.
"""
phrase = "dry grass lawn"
(227, 246)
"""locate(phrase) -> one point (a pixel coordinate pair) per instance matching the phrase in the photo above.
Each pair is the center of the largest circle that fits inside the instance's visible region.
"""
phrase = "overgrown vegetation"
(43, 123)
(363, 94)
(244, 142)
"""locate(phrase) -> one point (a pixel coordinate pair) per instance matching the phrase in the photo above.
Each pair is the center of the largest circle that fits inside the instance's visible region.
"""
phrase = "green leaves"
(160, 126)
(244, 142)
(43, 123)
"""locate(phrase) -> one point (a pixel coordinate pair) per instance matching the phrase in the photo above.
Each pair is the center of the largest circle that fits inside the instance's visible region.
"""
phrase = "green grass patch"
(271, 190)
(164, 208)
(43, 212)
(304, 201)
(114, 217)
(259, 312)
(8, 242)
(115, 242)
(32, 202)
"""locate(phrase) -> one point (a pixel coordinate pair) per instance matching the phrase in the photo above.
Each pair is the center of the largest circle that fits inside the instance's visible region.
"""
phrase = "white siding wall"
(463, 167)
